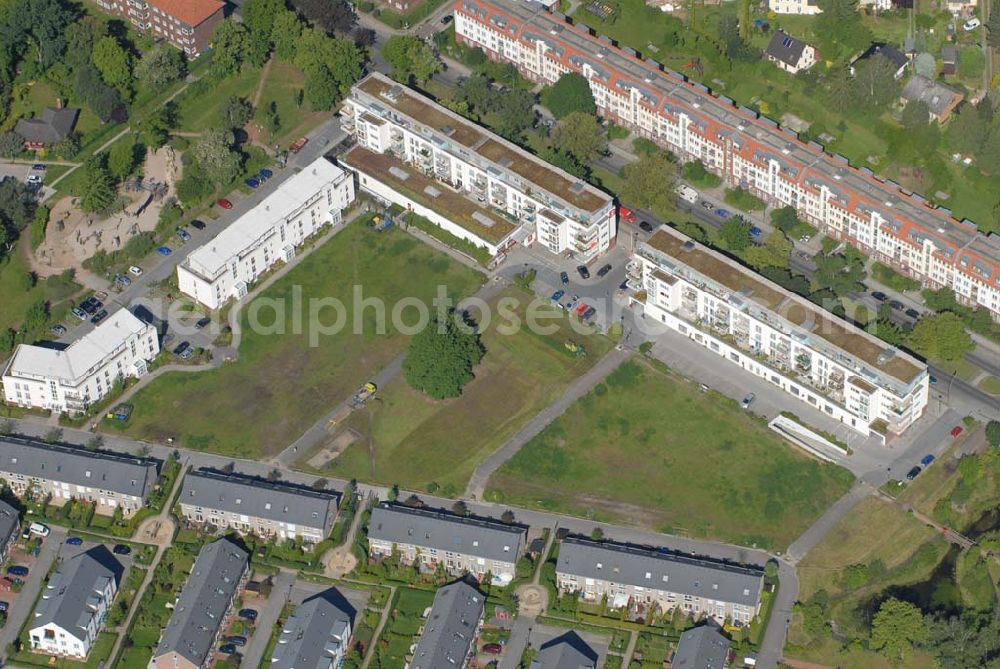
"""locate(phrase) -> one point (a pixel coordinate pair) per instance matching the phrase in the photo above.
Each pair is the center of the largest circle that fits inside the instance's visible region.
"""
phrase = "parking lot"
(21, 603)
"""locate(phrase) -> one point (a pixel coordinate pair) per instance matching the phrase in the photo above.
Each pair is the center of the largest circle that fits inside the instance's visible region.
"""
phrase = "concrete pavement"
(267, 618)
(21, 609)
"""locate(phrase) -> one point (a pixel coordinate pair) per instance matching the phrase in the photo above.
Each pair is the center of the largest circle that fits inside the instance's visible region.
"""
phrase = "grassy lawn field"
(283, 83)
(418, 440)
(199, 110)
(16, 300)
(404, 623)
(647, 447)
(280, 384)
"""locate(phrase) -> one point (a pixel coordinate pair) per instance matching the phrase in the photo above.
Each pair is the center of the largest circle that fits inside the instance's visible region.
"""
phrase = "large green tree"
(216, 157)
(648, 183)
(993, 25)
(330, 63)
(581, 136)
(98, 188)
(442, 357)
(941, 337)
(896, 627)
(410, 58)
(735, 233)
(235, 113)
(285, 33)
(113, 62)
(123, 157)
(160, 66)
(514, 113)
(231, 48)
(967, 130)
(571, 93)
(875, 83)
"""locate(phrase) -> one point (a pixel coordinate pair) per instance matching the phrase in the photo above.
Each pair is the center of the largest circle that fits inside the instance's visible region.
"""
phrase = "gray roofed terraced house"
(462, 543)
(316, 635)
(75, 602)
(205, 599)
(9, 524)
(567, 651)
(450, 628)
(264, 507)
(630, 573)
(701, 648)
(86, 473)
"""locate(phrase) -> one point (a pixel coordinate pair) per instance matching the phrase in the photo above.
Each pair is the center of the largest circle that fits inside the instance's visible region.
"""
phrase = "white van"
(972, 24)
(39, 529)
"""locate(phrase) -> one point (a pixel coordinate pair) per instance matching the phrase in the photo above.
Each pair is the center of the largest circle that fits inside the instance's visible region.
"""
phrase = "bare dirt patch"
(73, 236)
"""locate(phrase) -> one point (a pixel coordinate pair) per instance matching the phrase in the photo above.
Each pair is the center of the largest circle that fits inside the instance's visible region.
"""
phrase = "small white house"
(75, 603)
(790, 54)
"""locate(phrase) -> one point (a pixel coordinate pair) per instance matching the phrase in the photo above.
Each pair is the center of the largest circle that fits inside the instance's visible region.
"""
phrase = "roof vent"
(687, 246)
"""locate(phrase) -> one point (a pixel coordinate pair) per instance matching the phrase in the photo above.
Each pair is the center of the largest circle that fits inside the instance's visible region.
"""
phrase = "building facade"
(61, 473)
(224, 267)
(630, 576)
(187, 24)
(10, 527)
(203, 608)
(461, 544)
(75, 603)
(893, 226)
(263, 508)
(317, 635)
(450, 630)
(837, 368)
(507, 188)
(72, 379)
(803, 7)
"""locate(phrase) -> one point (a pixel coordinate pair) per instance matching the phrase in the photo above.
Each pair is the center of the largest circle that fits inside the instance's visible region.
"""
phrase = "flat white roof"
(75, 360)
(260, 221)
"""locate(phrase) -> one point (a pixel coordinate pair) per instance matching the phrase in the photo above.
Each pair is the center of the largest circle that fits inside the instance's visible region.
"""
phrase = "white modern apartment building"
(633, 576)
(75, 603)
(225, 267)
(896, 227)
(838, 369)
(466, 179)
(72, 379)
(60, 472)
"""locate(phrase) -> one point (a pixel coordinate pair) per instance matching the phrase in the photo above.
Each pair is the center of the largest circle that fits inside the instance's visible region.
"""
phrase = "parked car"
(971, 24)
(248, 614)
(492, 648)
(164, 251)
(298, 144)
(926, 460)
(39, 529)
(645, 226)
(880, 296)
(202, 322)
(180, 348)
(564, 278)
(74, 541)
(583, 271)
(184, 235)
(4, 606)
(722, 213)
(99, 316)
(121, 549)
(626, 214)
(604, 270)
(252, 182)
(572, 303)
(91, 304)
(136, 270)
(34, 180)
(580, 308)
(237, 640)
(748, 400)
(80, 313)
(933, 380)
(187, 353)
(755, 232)
(913, 313)
(805, 239)
(123, 281)
(589, 313)
(17, 570)
(707, 206)
(957, 430)
(197, 224)
(38, 167)
(556, 296)
(265, 173)
(227, 649)
(224, 203)
(446, 19)
(58, 330)
(912, 474)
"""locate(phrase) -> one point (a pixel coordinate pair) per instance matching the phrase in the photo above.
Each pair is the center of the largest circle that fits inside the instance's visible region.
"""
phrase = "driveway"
(21, 608)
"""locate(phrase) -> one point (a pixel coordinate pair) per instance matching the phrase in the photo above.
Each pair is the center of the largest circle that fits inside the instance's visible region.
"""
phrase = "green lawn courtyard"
(280, 385)
(646, 447)
(433, 445)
